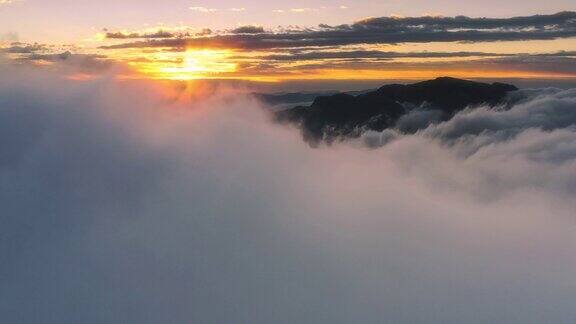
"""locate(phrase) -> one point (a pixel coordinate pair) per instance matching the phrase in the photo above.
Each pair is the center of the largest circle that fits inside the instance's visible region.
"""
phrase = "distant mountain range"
(343, 115)
(282, 101)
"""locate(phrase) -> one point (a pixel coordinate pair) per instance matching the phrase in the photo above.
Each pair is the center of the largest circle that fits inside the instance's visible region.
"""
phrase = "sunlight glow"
(192, 64)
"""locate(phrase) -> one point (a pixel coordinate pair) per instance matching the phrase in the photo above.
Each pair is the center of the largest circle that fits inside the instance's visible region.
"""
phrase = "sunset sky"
(302, 40)
(287, 162)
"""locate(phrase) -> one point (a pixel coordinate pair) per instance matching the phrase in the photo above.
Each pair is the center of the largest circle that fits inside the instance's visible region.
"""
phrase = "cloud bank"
(134, 202)
(386, 30)
(332, 52)
(325, 51)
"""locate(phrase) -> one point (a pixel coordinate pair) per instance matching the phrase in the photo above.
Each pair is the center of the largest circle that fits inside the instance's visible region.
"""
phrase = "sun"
(192, 64)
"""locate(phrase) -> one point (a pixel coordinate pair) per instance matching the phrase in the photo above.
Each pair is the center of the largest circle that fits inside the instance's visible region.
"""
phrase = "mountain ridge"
(341, 116)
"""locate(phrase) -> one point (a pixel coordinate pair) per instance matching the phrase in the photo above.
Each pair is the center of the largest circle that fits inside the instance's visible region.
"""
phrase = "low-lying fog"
(128, 202)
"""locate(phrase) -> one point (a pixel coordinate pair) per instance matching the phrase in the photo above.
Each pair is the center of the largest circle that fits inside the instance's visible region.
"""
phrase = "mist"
(138, 202)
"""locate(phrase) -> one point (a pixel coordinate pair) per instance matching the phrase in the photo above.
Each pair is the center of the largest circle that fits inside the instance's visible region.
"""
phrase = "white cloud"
(203, 9)
(301, 10)
(137, 204)
(296, 10)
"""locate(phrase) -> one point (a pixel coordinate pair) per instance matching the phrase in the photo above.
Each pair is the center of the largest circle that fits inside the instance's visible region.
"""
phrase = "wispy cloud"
(203, 9)
(7, 2)
(300, 10)
(21, 48)
(295, 10)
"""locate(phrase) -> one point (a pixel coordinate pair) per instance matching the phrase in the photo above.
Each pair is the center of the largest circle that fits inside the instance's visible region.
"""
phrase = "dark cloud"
(300, 55)
(49, 57)
(560, 63)
(158, 34)
(547, 63)
(20, 48)
(558, 54)
(72, 63)
(388, 30)
(362, 54)
(204, 32)
(559, 20)
(249, 30)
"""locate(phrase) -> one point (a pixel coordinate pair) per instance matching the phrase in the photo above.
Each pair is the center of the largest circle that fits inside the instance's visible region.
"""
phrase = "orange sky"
(385, 47)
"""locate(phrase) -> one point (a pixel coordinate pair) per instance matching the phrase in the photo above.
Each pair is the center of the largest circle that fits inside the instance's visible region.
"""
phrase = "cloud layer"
(323, 51)
(389, 30)
(134, 202)
(375, 48)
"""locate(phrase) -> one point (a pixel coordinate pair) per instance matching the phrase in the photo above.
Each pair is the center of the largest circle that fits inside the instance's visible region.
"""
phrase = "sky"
(142, 181)
(68, 20)
(307, 40)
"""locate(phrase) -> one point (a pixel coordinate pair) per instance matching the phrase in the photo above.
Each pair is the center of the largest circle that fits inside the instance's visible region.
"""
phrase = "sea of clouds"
(138, 202)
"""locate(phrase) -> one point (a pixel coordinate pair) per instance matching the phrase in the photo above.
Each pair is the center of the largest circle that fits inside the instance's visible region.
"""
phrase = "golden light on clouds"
(192, 64)
(369, 49)
(197, 64)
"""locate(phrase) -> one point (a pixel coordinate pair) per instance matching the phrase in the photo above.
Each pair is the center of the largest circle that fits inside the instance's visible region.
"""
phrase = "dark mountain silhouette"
(342, 116)
(276, 99)
(290, 98)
